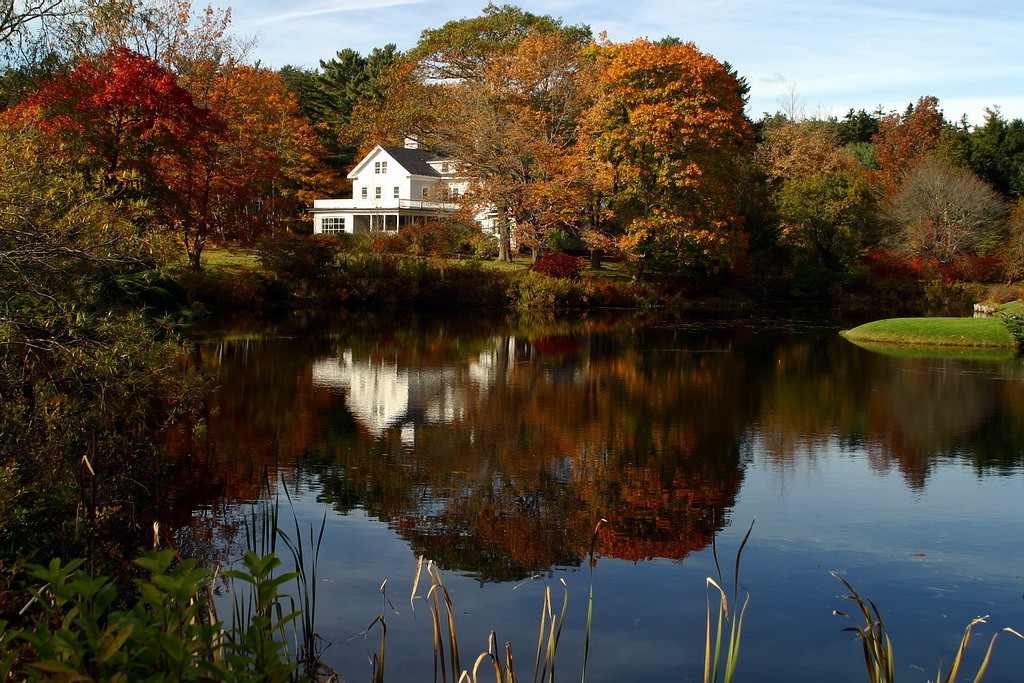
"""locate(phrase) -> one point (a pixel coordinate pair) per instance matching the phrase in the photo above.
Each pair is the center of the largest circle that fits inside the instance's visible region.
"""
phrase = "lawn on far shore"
(934, 331)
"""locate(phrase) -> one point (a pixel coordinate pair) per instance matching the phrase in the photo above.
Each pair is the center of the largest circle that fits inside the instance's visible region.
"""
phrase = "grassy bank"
(987, 332)
(298, 273)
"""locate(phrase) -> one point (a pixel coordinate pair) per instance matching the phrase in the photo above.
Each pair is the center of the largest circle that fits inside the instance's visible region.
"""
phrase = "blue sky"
(826, 55)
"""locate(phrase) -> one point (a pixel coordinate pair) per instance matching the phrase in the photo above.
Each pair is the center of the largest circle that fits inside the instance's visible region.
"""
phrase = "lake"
(493, 447)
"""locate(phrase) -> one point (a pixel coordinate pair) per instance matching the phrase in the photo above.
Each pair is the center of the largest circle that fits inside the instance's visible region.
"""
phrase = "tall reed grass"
(731, 617)
(879, 657)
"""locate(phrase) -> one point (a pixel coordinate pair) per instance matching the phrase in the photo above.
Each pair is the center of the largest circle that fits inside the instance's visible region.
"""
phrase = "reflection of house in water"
(383, 396)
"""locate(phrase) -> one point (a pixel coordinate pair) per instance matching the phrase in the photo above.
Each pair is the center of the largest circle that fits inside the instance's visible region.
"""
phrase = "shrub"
(533, 291)
(218, 290)
(152, 290)
(973, 268)
(299, 266)
(75, 630)
(560, 241)
(953, 296)
(484, 246)
(1002, 293)
(1015, 325)
(561, 266)
(293, 257)
(887, 277)
(435, 238)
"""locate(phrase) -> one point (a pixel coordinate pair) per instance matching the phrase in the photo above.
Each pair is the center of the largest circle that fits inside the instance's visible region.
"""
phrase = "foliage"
(75, 632)
(858, 127)
(298, 256)
(85, 384)
(671, 124)
(794, 149)
(343, 82)
(1011, 253)
(996, 152)
(121, 111)
(459, 49)
(955, 296)
(533, 291)
(1015, 326)
(246, 177)
(903, 140)
(827, 217)
(218, 150)
(437, 238)
(558, 265)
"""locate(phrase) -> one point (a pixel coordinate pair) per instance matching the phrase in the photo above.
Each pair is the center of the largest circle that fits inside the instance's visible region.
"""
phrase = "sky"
(805, 57)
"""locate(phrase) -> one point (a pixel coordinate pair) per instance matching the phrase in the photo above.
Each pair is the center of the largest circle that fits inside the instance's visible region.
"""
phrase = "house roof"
(415, 161)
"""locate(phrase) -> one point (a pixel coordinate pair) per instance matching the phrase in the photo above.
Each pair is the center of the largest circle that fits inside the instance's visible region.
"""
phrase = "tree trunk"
(504, 238)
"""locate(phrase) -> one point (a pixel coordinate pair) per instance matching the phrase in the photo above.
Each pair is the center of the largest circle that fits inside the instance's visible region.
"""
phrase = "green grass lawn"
(229, 259)
(934, 331)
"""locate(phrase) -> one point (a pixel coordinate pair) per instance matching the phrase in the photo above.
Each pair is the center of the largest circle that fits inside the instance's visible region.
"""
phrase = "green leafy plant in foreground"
(170, 634)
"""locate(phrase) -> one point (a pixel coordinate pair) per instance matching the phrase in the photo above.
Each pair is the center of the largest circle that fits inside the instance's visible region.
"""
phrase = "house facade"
(393, 187)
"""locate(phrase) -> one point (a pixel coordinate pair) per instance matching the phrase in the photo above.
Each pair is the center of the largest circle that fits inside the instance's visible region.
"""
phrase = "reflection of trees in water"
(552, 432)
(506, 446)
(906, 413)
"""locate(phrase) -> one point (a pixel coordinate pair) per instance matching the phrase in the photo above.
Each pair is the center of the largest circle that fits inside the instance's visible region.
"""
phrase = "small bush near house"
(560, 266)
(436, 238)
(484, 246)
(298, 256)
(299, 265)
(533, 291)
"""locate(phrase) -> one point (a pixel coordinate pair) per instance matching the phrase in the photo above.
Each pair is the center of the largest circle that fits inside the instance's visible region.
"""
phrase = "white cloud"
(322, 9)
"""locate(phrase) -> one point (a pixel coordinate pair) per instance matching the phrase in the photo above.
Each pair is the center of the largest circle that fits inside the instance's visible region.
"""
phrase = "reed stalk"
(954, 669)
(727, 617)
(878, 649)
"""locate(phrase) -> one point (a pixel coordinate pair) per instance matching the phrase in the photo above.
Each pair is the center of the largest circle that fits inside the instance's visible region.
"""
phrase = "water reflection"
(494, 448)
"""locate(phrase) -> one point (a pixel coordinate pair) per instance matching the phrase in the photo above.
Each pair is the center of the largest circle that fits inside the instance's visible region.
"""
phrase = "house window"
(445, 168)
(380, 167)
(332, 225)
(425, 193)
(396, 192)
(376, 193)
(364, 193)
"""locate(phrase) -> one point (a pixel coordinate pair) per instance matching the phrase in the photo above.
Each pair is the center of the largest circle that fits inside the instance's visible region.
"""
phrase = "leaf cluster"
(74, 630)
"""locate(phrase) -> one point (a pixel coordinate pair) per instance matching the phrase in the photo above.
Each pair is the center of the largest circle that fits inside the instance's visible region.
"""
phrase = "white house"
(393, 187)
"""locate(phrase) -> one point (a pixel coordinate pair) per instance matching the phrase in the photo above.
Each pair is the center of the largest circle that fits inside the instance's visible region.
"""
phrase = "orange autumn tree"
(517, 128)
(903, 141)
(504, 93)
(670, 121)
(249, 176)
